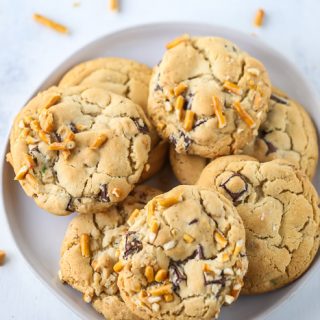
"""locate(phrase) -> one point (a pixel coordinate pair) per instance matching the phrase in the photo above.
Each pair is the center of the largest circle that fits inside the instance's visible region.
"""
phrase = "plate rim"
(114, 32)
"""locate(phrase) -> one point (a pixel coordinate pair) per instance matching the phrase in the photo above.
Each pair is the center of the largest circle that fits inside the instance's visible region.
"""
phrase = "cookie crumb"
(50, 23)
(2, 257)
(76, 4)
(259, 18)
(114, 5)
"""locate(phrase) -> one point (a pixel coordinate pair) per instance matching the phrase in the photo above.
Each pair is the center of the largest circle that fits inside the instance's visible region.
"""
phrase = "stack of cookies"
(246, 218)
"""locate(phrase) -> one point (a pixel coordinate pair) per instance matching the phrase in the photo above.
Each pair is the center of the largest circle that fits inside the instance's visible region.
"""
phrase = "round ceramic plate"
(38, 234)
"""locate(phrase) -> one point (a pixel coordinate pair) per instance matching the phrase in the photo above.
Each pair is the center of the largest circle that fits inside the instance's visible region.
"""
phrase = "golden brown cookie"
(183, 256)
(79, 148)
(208, 97)
(288, 133)
(129, 79)
(90, 251)
(279, 208)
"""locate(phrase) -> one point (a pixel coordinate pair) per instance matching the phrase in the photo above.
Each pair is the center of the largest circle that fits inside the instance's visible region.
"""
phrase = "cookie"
(79, 149)
(208, 97)
(279, 209)
(89, 252)
(122, 76)
(129, 79)
(183, 256)
(186, 168)
(288, 133)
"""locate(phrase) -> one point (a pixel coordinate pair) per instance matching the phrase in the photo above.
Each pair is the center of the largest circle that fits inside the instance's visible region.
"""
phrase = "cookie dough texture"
(186, 168)
(183, 257)
(208, 67)
(129, 79)
(103, 147)
(288, 133)
(94, 275)
(279, 208)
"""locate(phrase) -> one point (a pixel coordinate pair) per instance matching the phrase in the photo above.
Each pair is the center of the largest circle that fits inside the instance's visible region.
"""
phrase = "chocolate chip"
(172, 140)
(193, 221)
(104, 193)
(199, 122)
(186, 140)
(132, 245)
(176, 274)
(35, 150)
(73, 127)
(56, 137)
(188, 102)
(158, 87)
(140, 125)
(70, 206)
(278, 99)
(198, 253)
(207, 282)
(270, 146)
(235, 195)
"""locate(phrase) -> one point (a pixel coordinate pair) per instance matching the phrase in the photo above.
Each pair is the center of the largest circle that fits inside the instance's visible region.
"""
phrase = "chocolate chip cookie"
(208, 97)
(288, 133)
(79, 149)
(129, 79)
(90, 251)
(183, 256)
(279, 208)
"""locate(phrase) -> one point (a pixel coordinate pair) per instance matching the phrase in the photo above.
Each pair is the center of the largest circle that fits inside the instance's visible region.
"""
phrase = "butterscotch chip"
(176, 259)
(77, 170)
(50, 23)
(2, 257)
(259, 18)
(279, 208)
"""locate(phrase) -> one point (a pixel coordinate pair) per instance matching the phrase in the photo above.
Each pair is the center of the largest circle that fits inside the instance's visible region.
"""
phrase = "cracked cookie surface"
(279, 209)
(79, 148)
(288, 133)
(183, 256)
(208, 97)
(93, 275)
(129, 79)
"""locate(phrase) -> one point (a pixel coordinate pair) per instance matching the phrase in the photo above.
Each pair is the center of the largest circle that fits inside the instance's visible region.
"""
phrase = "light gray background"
(28, 52)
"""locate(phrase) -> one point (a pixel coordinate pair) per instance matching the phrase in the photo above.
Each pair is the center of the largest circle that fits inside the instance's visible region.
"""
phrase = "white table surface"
(28, 52)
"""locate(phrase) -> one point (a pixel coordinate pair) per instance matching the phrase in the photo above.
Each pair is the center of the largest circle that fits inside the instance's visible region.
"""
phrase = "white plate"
(38, 234)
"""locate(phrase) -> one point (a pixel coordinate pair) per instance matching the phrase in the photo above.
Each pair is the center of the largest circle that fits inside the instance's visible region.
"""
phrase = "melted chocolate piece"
(132, 245)
(193, 221)
(176, 274)
(70, 206)
(142, 128)
(104, 193)
(73, 128)
(235, 195)
(270, 146)
(278, 99)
